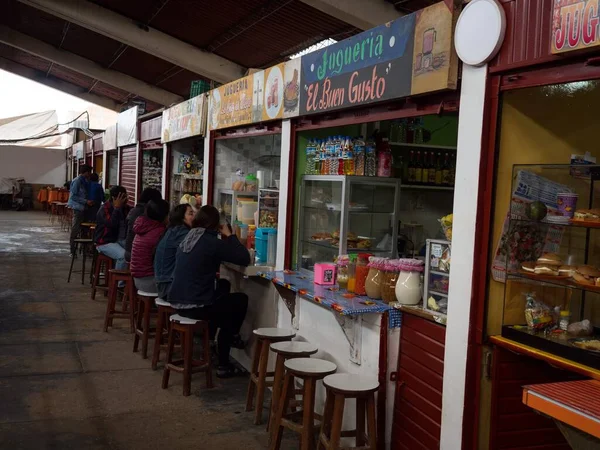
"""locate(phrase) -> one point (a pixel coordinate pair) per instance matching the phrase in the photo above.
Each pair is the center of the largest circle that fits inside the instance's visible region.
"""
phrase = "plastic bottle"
(341, 155)
(349, 168)
(370, 159)
(359, 156)
(333, 156)
(310, 158)
(384, 160)
(325, 157)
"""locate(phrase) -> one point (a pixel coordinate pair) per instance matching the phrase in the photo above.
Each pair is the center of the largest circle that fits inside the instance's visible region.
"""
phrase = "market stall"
(363, 172)
(183, 128)
(151, 164)
(536, 300)
(98, 151)
(111, 157)
(127, 144)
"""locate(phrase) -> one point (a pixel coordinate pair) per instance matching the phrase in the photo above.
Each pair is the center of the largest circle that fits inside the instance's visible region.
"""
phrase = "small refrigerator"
(437, 275)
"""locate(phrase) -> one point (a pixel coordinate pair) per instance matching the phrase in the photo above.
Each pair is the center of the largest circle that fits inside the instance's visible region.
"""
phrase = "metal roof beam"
(54, 83)
(87, 67)
(363, 14)
(142, 37)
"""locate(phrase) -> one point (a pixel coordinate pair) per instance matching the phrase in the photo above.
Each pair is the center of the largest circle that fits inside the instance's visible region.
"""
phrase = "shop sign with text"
(408, 56)
(184, 120)
(575, 25)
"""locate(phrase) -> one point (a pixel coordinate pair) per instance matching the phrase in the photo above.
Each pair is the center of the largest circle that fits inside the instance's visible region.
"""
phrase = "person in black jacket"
(148, 194)
(195, 292)
(109, 236)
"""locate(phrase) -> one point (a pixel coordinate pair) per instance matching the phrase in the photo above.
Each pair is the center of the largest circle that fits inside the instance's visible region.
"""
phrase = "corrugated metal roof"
(251, 33)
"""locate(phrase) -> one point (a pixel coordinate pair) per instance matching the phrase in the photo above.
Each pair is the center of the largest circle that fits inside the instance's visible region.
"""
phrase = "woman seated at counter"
(195, 292)
(148, 230)
(180, 222)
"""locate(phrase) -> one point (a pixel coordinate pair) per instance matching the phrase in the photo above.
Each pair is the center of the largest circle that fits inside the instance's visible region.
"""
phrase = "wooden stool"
(186, 328)
(260, 360)
(86, 229)
(145, 302)
(165, 310)
(285, 351)
(102, 265)
(340, 387)
(114, 277)
(310, 370)
(84, 244)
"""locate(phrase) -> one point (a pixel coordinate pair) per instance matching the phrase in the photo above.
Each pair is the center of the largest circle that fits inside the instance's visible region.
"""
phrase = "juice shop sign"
(575, 25)
(363, 69)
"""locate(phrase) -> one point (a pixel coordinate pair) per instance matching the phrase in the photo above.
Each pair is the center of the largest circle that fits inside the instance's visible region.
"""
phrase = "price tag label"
(437, 250)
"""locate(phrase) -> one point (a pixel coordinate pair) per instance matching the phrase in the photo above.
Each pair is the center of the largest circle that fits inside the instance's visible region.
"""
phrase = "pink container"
(567, 202)
(325, 274)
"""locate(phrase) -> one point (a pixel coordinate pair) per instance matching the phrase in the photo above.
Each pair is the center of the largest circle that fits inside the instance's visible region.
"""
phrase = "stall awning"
(576, 403)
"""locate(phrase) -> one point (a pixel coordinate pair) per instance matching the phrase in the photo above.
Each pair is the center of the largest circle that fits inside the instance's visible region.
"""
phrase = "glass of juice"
(351, 277)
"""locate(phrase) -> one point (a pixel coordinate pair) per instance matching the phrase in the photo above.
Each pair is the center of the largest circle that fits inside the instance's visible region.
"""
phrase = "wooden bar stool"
(285, 351)
(260, 360)
(165, 310)
(185, 328)
(80, 244)
(102, 265)
(86, 229)
(341, 386)
(114, 277)
(310, 370)
(145, 303)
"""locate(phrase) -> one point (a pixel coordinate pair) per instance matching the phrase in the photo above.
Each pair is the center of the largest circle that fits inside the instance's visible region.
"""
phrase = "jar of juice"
(351, 277)
(362, 270)
(374, 277)
(342, 277)
(388, 285)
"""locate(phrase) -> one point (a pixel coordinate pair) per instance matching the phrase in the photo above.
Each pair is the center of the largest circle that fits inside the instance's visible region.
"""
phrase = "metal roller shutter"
(128, 172)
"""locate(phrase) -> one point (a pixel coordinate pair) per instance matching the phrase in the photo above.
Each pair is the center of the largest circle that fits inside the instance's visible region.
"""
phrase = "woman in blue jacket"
(180, 222)
(196, 292)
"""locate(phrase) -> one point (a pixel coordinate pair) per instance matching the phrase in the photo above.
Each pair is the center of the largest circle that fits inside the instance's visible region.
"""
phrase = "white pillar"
(284, 192)
(470, 129)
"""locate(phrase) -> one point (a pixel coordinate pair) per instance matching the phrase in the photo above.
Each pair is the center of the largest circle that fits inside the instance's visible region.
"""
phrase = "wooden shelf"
(438, 147)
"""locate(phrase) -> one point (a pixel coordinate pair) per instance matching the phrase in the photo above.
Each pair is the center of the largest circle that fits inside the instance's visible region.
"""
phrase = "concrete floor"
(65, 384)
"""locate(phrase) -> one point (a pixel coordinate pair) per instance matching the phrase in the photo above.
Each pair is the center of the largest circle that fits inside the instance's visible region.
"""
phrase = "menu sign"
(410, 55)
(575, 25)
(184, 120)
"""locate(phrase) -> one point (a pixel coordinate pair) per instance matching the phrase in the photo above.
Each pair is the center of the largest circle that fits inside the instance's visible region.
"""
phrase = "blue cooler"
(262, 239)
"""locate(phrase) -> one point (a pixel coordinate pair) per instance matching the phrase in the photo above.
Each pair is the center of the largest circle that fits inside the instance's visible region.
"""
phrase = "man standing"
(96, 196)
(109, 236)
(78, 200)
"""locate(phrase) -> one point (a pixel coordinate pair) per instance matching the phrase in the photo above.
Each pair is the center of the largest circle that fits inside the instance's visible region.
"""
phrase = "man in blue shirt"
(78, 200)
(96, 195)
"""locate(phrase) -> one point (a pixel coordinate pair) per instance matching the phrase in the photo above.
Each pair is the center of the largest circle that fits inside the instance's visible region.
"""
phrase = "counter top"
(418, 310)
(250, 271)
(331, 297)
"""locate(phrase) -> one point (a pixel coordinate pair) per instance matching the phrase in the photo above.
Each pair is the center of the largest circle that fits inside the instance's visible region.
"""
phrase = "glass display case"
(548, 257)
(346, 214)
(268, 208)
(237, 206)
(187, 170)
(437, 275)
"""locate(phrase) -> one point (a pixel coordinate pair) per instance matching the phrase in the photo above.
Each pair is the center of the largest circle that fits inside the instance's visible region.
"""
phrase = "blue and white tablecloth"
(332, 297)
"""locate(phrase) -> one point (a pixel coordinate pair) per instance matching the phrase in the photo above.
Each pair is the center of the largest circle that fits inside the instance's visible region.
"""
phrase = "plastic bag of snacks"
(537, 314)
(446, 223)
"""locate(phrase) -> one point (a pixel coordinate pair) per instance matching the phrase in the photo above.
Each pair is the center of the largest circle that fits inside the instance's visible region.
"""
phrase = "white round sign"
(479, 31)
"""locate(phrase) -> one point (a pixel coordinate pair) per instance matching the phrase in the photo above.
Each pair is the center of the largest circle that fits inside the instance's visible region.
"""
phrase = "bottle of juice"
(341, 156)
(384, 160)
(349, 168)
(359, 156)
(370, 159)
(310, 158)
(334, 157)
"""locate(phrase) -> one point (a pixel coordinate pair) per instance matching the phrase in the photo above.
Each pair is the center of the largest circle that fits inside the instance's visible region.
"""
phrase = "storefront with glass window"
(535, 336)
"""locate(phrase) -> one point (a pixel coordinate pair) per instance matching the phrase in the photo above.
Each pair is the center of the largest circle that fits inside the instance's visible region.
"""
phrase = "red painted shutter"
(418, 404)
(128, 172)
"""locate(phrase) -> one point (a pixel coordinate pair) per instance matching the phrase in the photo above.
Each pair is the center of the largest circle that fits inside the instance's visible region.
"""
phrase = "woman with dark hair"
(180, 222)
(148, 230)
(147, 195)
(195, 292)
